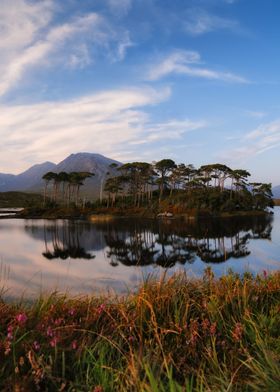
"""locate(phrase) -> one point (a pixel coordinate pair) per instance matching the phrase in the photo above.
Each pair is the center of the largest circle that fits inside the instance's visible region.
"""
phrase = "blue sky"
(193, 80)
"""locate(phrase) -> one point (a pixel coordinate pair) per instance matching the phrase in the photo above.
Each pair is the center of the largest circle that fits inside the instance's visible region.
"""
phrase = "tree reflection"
(65, 243)
(151, 242)
(167, 244)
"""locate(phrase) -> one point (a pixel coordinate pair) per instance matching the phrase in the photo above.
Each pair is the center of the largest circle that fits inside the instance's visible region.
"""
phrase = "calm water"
(79, 257)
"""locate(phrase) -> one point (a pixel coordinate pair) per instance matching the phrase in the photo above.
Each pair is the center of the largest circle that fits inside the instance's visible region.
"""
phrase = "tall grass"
(173, 335)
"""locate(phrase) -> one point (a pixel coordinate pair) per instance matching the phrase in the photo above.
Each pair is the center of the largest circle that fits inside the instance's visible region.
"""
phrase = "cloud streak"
(264, 138)
(182, 62)
(200, 22)
(113, 123)
(30, 39)
(255, 114)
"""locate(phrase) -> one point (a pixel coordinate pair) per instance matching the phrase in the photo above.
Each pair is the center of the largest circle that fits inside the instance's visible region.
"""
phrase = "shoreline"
(141, 214)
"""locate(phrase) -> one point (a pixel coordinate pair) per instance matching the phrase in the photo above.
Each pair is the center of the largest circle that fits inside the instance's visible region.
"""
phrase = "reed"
(176, 334)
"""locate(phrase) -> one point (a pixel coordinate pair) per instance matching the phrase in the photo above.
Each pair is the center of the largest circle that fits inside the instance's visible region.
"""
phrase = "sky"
(196, 81)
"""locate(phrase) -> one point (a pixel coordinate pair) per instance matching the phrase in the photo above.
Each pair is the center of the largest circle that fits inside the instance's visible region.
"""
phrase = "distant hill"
(15, 199)
(25, 180)
(31, 179)
(276, 192)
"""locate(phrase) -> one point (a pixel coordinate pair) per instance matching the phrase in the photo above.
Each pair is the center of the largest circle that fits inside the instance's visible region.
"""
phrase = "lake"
(38, 256)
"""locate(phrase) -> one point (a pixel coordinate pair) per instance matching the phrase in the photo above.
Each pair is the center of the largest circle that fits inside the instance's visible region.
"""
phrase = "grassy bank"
(173, 335)
(133, 212)
(19, 199)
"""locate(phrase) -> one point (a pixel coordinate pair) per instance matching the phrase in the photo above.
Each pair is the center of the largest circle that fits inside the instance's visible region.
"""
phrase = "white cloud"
(80, 57)
(39, 52)
(113, 123)
(173, 129)
(188, 63)
(264, 131)
(20, 22)
(30, 40)
(120, 7)
(200, 22)
(262, 139)
(122, 47)
(255, 114)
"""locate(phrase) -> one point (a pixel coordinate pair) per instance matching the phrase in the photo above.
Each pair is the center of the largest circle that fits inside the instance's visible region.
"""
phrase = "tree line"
(214, 186)
(65, 187)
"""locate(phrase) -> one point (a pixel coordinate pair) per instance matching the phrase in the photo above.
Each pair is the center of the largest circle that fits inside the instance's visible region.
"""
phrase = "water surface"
(81, 257)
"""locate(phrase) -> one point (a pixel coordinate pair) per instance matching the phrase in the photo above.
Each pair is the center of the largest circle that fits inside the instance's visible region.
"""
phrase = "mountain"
(7, 182)
(85, 161)
(31, 179)
(276, 192)
(25, 180)
(93, 163)
(33, 175)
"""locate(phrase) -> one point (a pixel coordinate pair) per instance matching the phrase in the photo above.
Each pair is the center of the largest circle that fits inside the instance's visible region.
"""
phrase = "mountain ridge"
(31, 179)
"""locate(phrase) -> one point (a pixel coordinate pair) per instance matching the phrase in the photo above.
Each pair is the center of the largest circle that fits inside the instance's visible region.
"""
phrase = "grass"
(19, 199)
(173, 335)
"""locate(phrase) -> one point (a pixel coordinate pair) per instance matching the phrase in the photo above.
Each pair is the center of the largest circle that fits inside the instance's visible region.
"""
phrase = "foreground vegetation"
(173, 335)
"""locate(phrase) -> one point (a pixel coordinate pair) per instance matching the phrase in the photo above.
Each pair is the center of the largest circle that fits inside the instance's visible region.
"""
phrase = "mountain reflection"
(142, 242)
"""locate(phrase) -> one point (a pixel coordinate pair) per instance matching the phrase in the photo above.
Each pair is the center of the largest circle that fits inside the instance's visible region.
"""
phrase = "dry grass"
(173, 335)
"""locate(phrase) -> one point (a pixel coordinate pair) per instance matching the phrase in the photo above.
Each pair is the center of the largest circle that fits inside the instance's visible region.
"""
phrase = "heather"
(173, 334)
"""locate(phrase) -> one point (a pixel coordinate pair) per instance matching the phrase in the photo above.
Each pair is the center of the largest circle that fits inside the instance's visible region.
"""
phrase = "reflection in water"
(168, 243)
(142, 243)
(65, 243)
(40, 255)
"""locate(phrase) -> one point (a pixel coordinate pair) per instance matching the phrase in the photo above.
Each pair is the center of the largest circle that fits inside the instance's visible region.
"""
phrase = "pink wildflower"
(54, 342)
(237, 332)
(21, 318)
(36, 345)
(101, 308)
(7, 348)
(205, 324)
(74, 345)
(193, 338)
(49, 332)
(98, 389)
(72, 312)
(10, 332)
(265, 274)
(213, 328)
(58, 321)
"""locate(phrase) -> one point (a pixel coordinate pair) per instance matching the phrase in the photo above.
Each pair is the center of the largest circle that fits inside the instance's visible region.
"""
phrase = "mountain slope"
(85, 161)
(7, 182)
(25, 180)
(89, 162)
(34, 175)
(31, 179)
(276, 192)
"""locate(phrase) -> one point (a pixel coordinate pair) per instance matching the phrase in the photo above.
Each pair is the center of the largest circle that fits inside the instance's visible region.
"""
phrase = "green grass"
(174, 335)
(19, 199)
